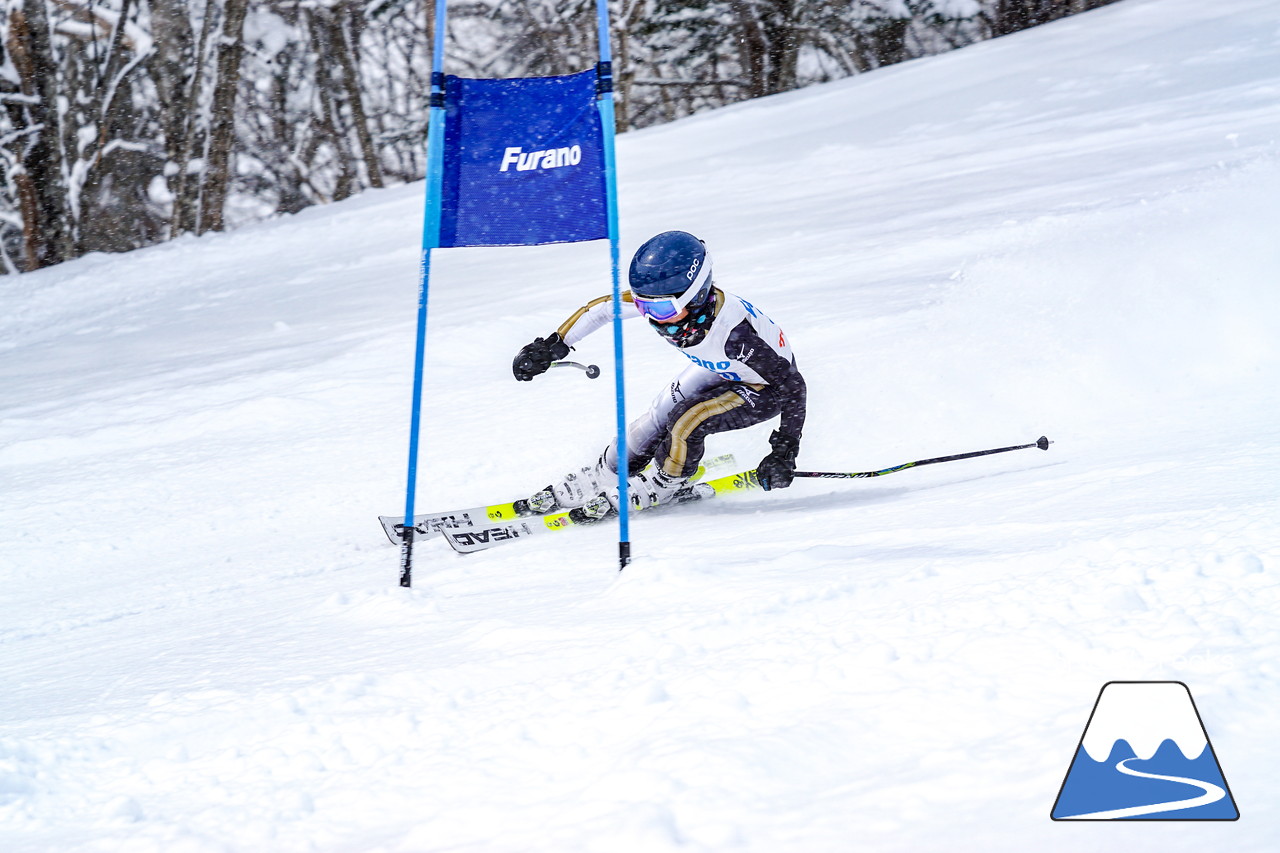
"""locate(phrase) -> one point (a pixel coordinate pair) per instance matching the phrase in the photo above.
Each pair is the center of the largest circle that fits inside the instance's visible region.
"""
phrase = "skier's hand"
(536, 358)
(777, 470)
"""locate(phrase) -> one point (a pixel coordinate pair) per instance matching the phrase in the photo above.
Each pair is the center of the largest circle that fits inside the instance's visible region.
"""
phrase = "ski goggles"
(663, 308)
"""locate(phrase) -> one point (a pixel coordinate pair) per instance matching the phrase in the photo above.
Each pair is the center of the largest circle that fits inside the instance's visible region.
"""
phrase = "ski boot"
(574, 490)
(590, 489)
(648, 489)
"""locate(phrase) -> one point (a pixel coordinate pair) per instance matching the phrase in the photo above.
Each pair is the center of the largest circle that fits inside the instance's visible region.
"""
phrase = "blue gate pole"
(430, 240)
(605, 103)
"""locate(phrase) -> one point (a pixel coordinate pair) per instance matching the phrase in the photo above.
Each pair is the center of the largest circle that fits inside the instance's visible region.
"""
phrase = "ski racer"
(742, 373)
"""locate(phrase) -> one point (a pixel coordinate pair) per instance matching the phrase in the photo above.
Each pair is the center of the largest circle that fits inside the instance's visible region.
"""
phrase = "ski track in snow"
(1068, 231)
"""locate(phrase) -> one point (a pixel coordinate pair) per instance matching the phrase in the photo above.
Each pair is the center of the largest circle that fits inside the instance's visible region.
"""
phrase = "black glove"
(777, 470)
(536, 357)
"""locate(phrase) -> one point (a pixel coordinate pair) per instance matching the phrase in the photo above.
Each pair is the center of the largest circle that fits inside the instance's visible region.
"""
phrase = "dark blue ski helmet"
(669, 273)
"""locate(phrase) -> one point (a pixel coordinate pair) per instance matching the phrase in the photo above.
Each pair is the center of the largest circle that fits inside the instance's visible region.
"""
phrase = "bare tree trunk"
(172, 71)
(782, 45)
(222, 120)
(623, 69)
(753, 48)
(48, 236)
(342, 38)
(108, 88)
(113, 215)
(330, 118)
(186, 192)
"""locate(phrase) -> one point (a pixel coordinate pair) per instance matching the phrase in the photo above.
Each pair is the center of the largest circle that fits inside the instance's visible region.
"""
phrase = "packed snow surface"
(1070, 231)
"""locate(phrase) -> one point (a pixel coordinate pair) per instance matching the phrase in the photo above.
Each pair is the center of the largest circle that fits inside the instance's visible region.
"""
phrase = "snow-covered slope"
(1068, 231)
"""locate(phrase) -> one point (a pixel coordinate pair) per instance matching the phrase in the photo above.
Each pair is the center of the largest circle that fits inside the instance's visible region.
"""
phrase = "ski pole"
(592, 370)
(1042, 443)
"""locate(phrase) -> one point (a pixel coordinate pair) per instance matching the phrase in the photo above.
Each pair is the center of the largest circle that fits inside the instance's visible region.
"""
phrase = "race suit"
(742, 372)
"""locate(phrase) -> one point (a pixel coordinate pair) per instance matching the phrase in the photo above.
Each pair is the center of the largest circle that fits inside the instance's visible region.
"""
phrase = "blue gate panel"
(523, 162)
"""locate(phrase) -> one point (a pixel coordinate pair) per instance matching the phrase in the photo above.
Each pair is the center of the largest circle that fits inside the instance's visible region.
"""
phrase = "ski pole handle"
(1042, 443)
(591, 370)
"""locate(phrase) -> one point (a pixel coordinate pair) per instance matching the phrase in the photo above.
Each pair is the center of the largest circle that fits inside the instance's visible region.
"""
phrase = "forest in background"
(129, 122)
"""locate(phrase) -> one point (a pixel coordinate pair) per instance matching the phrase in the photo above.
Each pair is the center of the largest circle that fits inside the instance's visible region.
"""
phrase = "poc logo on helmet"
(693, 270)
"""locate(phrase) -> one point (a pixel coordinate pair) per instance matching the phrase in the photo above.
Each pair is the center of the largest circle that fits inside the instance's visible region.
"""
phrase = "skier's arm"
(776, 470)
(778, 372)
(795, 396)
(535, 358)
(588, 318)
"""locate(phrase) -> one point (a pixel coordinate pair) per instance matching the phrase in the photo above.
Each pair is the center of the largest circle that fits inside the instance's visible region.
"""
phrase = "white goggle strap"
(699, 281)
(704, 273)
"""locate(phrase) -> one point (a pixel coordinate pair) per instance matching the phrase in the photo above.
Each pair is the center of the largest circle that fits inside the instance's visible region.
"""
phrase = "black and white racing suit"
(741, 373)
